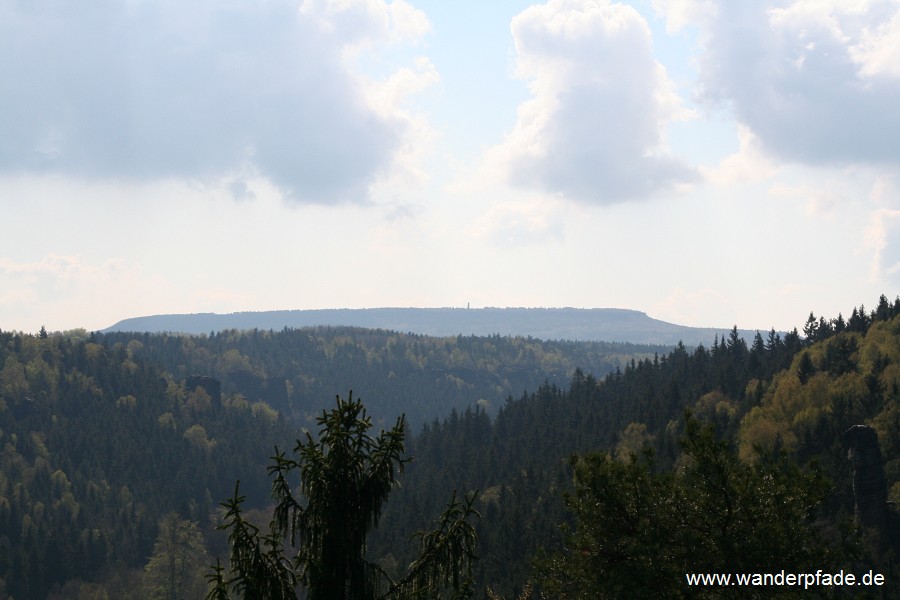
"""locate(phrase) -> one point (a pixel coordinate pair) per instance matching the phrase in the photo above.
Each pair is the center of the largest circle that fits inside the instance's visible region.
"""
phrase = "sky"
(711, 163)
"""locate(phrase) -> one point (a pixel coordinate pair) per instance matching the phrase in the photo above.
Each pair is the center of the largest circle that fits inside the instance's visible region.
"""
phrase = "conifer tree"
(346, 476)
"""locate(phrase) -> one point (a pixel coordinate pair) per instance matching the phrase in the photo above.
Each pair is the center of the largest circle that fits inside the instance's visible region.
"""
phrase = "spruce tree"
(346, 476)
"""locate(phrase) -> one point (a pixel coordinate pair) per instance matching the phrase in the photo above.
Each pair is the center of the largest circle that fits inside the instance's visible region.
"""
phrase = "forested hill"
(299, 371)
(107, 441)
(595, 324)
(96, 446)
(776, 395)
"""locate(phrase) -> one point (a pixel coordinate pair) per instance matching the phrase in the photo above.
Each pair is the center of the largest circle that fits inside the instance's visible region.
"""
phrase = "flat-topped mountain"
(581, 324)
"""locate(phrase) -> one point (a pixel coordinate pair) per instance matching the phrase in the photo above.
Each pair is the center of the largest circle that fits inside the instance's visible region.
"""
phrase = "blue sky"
(709, 163)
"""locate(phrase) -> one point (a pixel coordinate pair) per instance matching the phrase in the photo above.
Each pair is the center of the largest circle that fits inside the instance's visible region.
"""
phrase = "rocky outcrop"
(211, 385)
(869, 481)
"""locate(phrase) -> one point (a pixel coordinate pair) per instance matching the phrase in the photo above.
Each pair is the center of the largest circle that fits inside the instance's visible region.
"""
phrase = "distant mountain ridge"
(577, 324)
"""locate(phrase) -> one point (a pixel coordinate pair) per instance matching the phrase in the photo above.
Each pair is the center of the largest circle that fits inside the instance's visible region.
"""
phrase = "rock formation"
(869, 481)
(212, 386)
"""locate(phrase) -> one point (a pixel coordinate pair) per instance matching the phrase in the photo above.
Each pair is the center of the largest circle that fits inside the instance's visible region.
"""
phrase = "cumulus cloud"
(883, 237)
(146, 90)
(816, 82)
(878, 49)
(681, 13)
(748, 164)
(593, 129)
(532, 221)
(388, 98)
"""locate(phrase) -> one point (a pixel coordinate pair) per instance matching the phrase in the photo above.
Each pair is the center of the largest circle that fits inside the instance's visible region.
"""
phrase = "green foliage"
(175, 570)
(293, 369)
(258, 567)
(849, 378)
(446, 556)
(753, 395)
(638, 530)
(80, 502)
(346, 476)
(633, 438)
(196, 435)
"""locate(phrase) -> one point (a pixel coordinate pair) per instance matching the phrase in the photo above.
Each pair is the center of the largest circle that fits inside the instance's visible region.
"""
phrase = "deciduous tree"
(175, 570)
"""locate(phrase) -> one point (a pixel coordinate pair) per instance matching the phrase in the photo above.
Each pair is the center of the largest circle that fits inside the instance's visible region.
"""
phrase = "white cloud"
(883, 238)
(516, 223)
(748, 164)
(201, 90)
(389, 98)
(820, 200)
(681, 13)
(592, 130)
(405, 21)
(877, 51)
(814, 81)
(364, 24)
